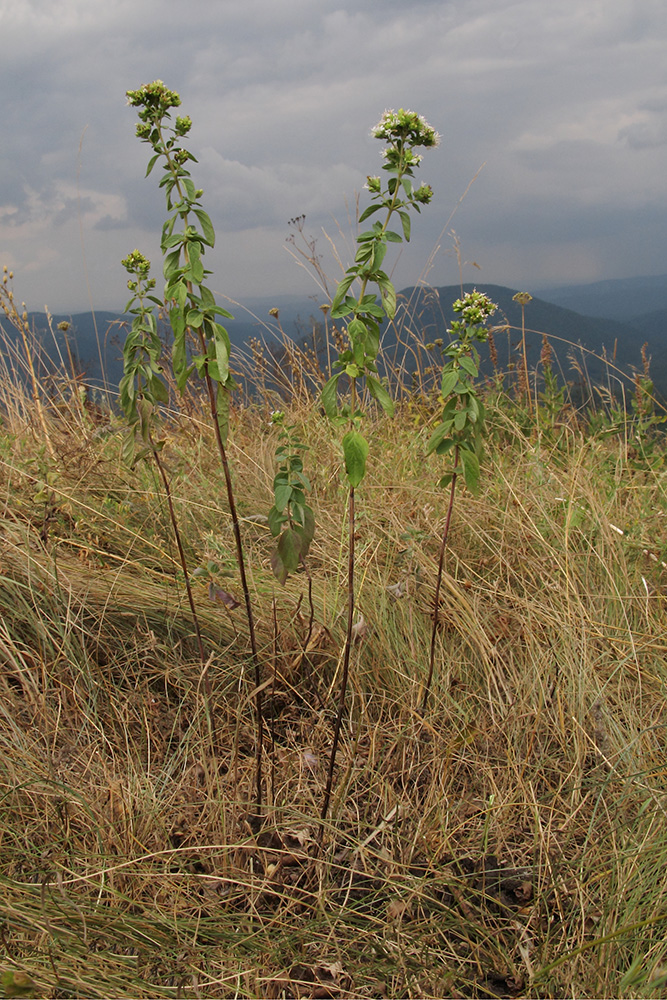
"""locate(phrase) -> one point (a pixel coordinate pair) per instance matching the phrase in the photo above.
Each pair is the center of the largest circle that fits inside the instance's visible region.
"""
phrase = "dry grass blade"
(510, 844)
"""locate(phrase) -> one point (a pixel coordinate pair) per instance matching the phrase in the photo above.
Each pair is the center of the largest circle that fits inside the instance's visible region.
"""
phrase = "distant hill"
(431, 309)
(92, 345)
(95, 343)
(619, 298)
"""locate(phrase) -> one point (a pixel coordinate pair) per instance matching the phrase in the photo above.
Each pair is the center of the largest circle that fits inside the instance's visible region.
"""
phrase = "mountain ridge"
(425, 310)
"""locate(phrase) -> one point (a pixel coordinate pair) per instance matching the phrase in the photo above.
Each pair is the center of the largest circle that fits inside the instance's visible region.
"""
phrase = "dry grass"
(511, 843)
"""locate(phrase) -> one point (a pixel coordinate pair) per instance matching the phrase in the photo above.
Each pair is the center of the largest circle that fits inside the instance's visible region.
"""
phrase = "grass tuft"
(509, 843)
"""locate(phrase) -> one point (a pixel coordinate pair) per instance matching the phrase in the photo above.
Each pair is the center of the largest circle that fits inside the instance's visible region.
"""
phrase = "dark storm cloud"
(566, 104)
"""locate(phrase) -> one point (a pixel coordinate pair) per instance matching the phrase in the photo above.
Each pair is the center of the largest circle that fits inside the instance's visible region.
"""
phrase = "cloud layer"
(564, 105)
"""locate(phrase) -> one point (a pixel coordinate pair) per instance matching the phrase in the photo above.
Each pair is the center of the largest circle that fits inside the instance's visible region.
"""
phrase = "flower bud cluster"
(183, 124)
(407, 126)
(395, 155)
(139, 266)
(154, 98)
(475, 308)
(423, 194)
(137, 263)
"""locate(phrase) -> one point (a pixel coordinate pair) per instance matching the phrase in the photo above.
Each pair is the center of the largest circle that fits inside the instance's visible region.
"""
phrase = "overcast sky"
(562, 103)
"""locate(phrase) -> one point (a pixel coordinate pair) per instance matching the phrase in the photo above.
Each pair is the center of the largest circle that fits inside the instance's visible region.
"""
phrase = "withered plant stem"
(184, 566)
(346, 664)
(240, 559)
(438, 584)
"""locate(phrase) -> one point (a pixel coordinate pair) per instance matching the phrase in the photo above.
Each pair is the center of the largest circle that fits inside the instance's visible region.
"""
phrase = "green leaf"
(359, 356)
(128, 450)
(306, 531)
(405, 222)
(469, 366)
(283, 495)
(195, 268)
(378, 392)
(445, 446)
(207, 227)
(176, 239)
(145, 411)
(289, 547)
(438, 434)
(151, 163)
(449, 380)
(160, 391)
(356, 330)
(278, 567)
(172, 264)
(344, 309)
(276, 521)
(330, 396)
(341, 292)
(393, 237)
(470, 464)
(222, 349)
(177, 321)
(388, 296)
(379, 255)
(355, 451)
(194, 319)
(367, 212)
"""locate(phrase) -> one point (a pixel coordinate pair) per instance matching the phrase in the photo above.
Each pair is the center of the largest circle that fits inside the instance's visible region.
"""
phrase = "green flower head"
(136, 263)
(423, 194)
(406, 126)
(154, 97)
(475, 307)
(183, 125)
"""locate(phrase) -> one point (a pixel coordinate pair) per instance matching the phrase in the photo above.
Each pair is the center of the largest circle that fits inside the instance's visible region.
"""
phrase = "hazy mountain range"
(615, 316)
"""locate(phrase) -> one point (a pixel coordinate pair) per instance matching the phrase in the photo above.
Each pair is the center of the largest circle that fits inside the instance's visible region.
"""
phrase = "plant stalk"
(346, 663)
(438, 584)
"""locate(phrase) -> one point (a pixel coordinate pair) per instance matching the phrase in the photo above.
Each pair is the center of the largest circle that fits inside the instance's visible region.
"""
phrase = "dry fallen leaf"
(215, 594)
(397, 909)
(310, 761)
(398, 590)
(360, 629)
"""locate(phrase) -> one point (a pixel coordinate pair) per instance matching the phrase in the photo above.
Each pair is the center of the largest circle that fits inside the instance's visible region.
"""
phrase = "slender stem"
(240, 559)
(350, 569)
(21, 325)
(348, 632)
(184, 565)
(213, 404)
(346, 661)
(525, 358)
(438, 583)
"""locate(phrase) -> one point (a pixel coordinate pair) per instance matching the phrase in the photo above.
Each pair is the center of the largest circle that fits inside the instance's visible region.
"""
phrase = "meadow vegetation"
(194, 804)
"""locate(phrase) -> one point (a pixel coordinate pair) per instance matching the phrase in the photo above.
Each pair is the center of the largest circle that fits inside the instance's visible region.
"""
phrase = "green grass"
(511, 843)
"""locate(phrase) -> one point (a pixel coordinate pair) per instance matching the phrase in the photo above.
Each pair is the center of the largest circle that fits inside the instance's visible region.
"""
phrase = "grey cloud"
(72, 208)
(644, 135)
(565, 103)
(107, 222)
